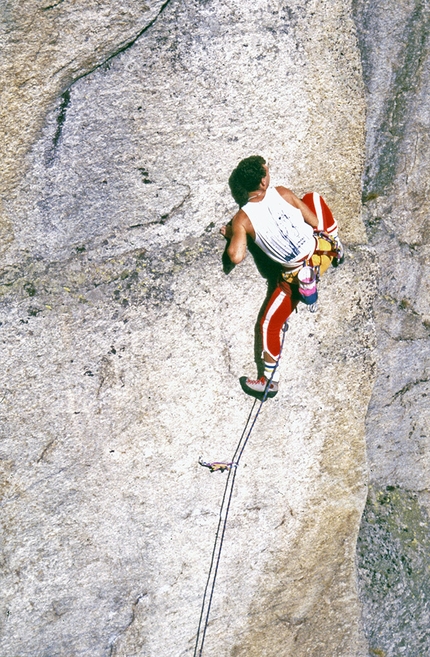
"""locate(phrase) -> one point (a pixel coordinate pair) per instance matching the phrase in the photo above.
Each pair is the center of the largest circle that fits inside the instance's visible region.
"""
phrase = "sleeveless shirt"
(280, 230)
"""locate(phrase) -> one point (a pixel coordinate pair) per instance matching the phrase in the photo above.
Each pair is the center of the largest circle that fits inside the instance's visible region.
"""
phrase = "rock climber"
(293, 233)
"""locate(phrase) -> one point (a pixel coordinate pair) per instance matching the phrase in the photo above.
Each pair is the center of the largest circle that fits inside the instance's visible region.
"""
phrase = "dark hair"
(246, 177)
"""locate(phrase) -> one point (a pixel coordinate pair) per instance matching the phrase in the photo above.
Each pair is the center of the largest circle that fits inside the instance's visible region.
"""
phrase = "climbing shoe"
(340, 254)
(257, 387)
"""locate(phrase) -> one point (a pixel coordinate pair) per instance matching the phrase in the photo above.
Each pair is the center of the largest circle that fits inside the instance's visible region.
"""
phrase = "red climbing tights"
(285, 298)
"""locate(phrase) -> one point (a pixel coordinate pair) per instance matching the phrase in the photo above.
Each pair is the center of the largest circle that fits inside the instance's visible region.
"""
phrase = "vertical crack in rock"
(381, 174)
(65, 97)
(65, 102)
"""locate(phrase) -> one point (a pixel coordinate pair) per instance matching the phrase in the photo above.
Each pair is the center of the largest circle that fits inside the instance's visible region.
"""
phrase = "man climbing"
(293, 233)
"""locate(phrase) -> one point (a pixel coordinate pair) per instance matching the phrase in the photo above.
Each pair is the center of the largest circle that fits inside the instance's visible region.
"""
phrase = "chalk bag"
(307, 279)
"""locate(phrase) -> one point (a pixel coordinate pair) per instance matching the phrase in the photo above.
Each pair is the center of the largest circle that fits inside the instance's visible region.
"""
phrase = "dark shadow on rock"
(227, 264)
(269, 270)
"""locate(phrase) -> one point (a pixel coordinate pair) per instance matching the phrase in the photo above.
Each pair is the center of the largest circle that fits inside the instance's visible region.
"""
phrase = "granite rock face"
(397, 215)
(394, 553)
(46, 47)
(123, 339)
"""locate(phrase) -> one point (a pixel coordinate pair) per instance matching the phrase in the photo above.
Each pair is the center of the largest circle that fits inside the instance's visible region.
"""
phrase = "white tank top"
(280, 230)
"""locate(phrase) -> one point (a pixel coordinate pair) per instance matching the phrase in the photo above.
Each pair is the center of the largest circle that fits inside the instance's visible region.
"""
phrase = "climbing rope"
(224, 511)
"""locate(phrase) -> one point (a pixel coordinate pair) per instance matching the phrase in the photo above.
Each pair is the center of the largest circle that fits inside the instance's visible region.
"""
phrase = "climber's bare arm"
(236, 231)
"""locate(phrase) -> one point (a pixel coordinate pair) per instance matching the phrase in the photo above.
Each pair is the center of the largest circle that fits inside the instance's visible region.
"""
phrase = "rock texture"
(123, 339)
(394, 550)
(46, 48)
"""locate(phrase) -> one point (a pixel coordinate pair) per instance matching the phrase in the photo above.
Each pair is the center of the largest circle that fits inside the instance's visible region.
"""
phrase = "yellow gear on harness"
(321, 259)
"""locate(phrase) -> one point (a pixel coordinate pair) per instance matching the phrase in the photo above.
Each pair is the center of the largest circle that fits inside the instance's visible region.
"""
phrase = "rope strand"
(214, 551)
(222, 523)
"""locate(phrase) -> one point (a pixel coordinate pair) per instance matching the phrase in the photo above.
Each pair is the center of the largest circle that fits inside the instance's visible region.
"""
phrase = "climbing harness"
(334, 248)
(306, 274)
(225, 508)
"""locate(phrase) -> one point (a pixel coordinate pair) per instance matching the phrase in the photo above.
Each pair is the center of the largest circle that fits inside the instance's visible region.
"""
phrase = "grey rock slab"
(109, 517)
(182, 97)
(123, 341)
(394, 554)
(45, 48)
(396, 214)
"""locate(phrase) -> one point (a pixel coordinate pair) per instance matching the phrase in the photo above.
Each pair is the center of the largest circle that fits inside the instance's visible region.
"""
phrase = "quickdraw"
(217, 466)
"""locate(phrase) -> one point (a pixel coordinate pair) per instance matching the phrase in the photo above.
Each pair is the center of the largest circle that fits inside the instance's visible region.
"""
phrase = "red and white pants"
(286, 297)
